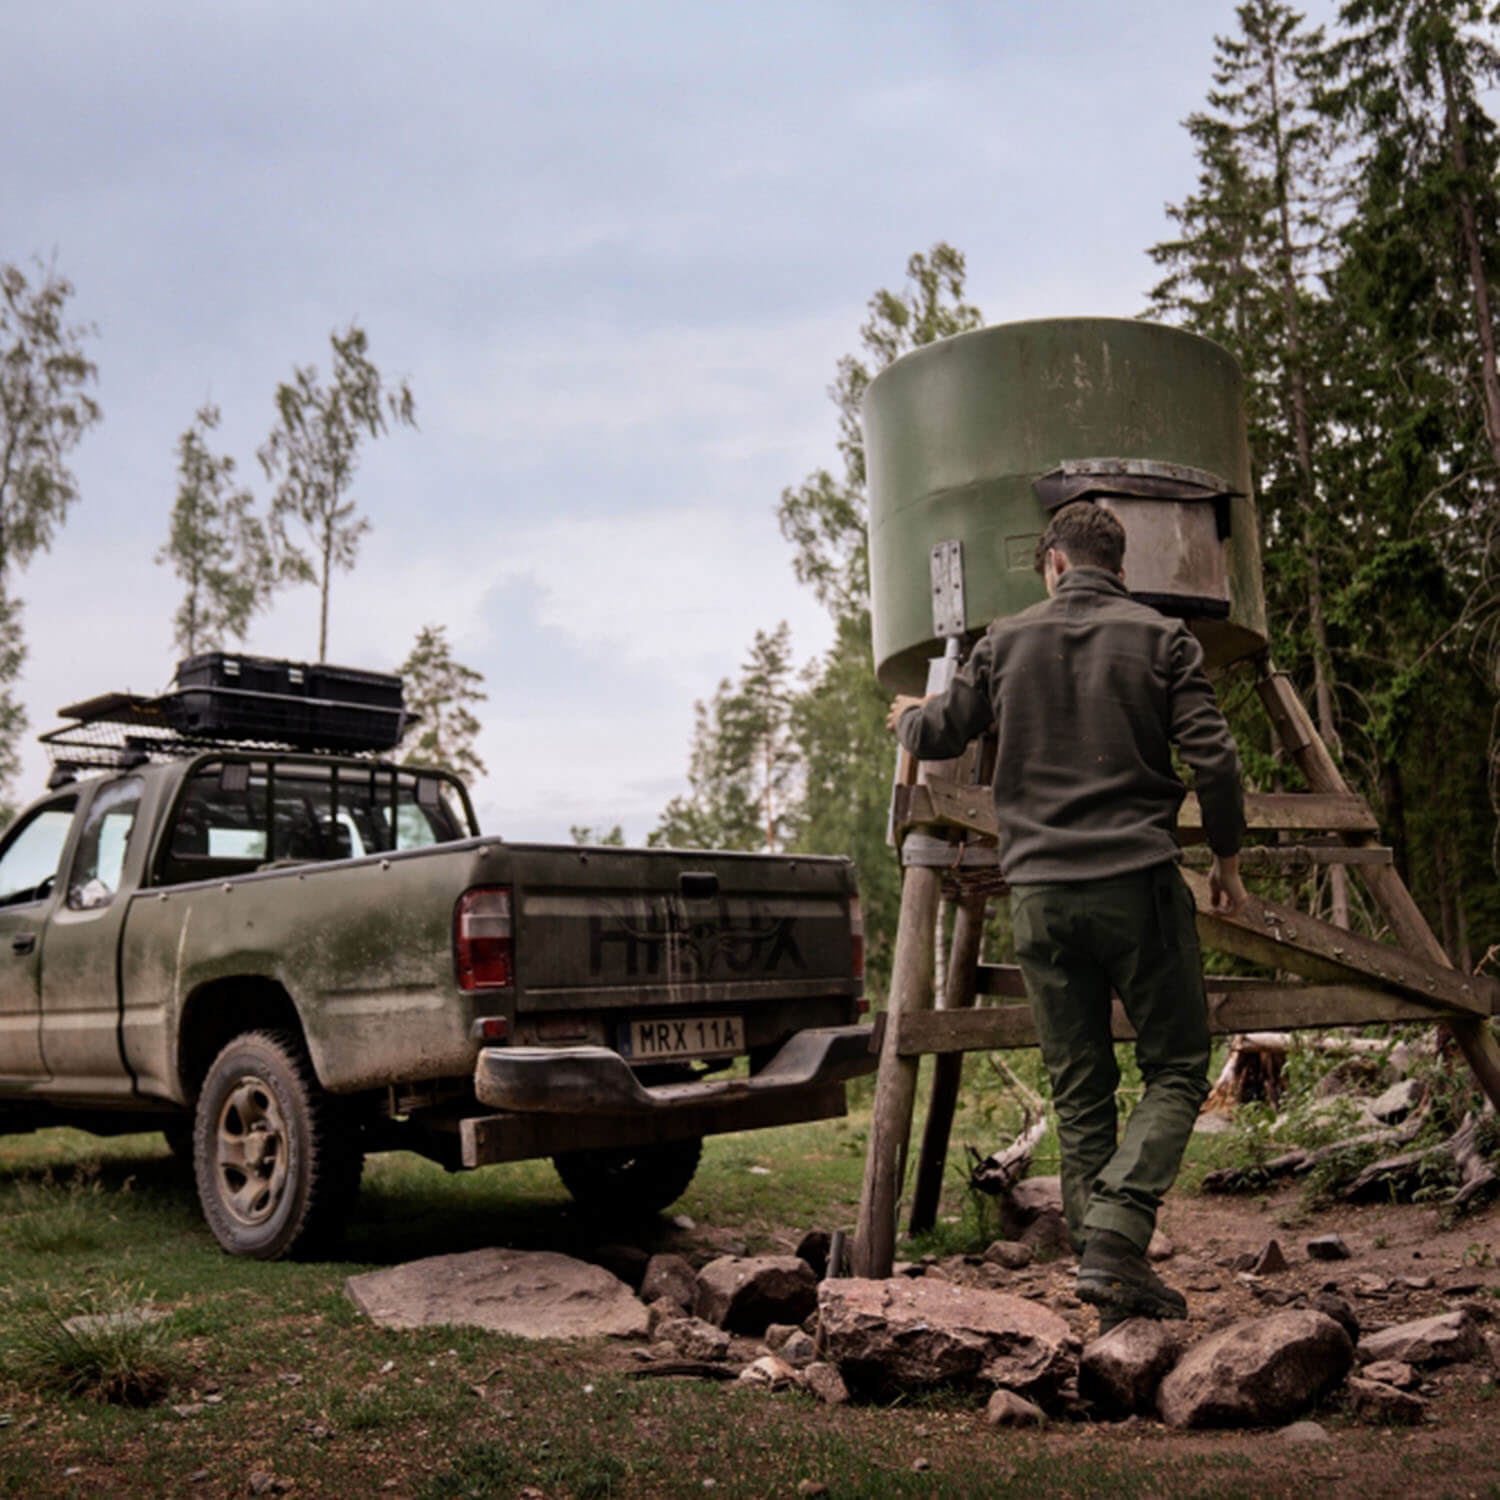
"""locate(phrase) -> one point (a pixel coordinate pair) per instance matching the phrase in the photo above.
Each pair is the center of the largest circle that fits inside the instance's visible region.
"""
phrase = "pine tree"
(217, 546)
(754, 735)
(313, 454)
(441, 692)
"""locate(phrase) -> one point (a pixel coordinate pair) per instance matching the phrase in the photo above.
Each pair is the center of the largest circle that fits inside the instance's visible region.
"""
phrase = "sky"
(617, 252)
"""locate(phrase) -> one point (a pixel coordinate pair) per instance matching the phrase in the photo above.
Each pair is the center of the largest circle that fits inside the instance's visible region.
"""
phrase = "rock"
(1382, 1405)
(1397, 1102)
(813, 1248)
(1120, 1371)
(912, 1334)
(1270, 1261)
(1047, 1236)
(1006, 1409)
(1340, 1309)
(1391, 1372)
(663, 1310)
(768, 1372)
(825, 1382)
(628, 1262)
(1492, 1347)
(536, 1294)
(261, 1482)
(1305, 1432)
(1160, 1248)
(1328, 1247)
(1012, 1255)
(777, 1334)
(1418, 1283)
(692, 1338)
(799, 1350)
(746, 1294)
(811, 1487)
(670, 1276)
(1256, 1373)
(1445, 1339)
(1035, 1195)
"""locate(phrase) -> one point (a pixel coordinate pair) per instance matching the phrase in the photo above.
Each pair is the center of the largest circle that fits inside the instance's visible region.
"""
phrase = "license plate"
(685, 1036)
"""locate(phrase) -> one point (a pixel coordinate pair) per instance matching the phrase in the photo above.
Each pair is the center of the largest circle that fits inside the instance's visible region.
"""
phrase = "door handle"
(23, 942)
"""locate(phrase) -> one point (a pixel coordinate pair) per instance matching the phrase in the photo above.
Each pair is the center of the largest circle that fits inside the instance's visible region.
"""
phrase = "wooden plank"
(999, 979)
(1268, 933)
(1331, 812)
(940, 802)
(1283, 859)
(1249, 1007)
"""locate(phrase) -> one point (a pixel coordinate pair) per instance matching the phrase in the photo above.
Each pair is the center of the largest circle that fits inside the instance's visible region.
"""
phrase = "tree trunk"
(324, 582)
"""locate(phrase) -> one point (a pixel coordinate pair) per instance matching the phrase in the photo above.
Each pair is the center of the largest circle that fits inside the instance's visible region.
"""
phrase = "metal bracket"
(948, 615)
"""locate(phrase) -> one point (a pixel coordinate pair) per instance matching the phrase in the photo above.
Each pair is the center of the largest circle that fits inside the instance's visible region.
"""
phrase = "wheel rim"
(252, 1143)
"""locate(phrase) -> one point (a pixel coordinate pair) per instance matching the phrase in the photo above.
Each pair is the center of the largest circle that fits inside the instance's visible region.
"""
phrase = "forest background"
(1343, 239)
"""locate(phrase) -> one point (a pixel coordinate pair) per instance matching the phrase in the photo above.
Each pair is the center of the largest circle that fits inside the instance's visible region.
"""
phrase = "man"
(1088, 693)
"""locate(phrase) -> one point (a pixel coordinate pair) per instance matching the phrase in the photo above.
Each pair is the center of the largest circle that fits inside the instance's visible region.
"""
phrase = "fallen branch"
(699, 1369)
(1297, 1163)
(1000, 1171)
(1395, 1173)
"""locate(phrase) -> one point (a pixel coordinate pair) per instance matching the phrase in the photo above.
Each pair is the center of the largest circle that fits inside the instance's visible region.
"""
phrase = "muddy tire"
(633, 1181)
(276, 1161)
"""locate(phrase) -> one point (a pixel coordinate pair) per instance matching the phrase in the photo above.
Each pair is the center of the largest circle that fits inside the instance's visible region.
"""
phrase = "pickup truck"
(286, 960)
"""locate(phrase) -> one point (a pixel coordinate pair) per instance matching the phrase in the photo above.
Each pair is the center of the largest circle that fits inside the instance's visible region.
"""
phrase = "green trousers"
(1136, 935)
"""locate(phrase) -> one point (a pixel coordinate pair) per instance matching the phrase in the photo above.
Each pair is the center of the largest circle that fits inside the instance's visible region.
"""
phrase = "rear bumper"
(596, 1081)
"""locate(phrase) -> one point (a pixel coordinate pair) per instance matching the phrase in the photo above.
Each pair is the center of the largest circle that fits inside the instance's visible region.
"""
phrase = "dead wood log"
(1252, 1070)
(1000, 1171)
(1297, 1163)
(1403, 1172)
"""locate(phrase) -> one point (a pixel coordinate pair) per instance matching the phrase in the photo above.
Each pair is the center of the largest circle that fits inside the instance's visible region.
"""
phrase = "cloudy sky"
(617, 251)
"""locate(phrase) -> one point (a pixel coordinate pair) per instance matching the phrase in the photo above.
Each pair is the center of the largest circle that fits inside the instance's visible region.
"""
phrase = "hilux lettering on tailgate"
(665, 940)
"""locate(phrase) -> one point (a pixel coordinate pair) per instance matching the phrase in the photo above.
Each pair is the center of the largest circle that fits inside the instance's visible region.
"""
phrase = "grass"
(268, 1368)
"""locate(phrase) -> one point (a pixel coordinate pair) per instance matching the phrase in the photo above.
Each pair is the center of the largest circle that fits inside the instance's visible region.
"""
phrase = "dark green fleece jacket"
(1089, 691)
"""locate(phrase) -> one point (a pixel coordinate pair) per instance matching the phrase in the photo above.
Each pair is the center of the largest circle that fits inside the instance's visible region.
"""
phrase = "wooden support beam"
(1281, 937)
(1252, 1006)
(874, 1250)
(1289, 859)
(959, 995)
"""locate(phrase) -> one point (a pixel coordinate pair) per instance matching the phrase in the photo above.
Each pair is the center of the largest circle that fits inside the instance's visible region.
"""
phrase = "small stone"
(825, 1382)
(199, 1475)
(1305, 1432)
(1391, 1372)
(1270, 1261)
(1397, 1101)
(809, 1488)
(1011, 1255)
(1121, 1370)
(682, 1221)
(261, 1482)
(799, 1350)
(1419, 1283)
(694, 1339)
(1328, 1247)
(1383, 1405)
(777, 1334)
(1160, 1248)
(289, 1377)
(1450, 1338)
(1340, 1310)
(669, 1278)
(188, 1409)
(920, 1465)
(1006, 1409)
(759, 1171)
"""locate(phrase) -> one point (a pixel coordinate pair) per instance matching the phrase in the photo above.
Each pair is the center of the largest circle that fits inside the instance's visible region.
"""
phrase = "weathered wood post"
(959, 993)
(896, 1080)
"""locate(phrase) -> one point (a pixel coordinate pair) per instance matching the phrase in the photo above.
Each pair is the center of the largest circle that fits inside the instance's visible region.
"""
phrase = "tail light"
(482, 951)
(857, 937)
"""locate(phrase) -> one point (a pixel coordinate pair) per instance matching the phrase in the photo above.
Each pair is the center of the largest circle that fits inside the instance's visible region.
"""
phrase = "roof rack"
(290, 707)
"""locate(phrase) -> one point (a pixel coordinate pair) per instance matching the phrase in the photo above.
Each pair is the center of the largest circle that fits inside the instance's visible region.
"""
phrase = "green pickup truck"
(285, 960)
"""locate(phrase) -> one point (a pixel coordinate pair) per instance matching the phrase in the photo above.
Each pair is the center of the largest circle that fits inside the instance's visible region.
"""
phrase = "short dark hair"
(1089, 535)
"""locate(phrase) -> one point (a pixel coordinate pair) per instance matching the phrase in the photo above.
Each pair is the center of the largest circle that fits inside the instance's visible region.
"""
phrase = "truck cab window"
(31, 855)
(102, 844)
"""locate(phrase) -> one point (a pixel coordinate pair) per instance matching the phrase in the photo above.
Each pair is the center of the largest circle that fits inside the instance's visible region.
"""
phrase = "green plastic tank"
(973, 440)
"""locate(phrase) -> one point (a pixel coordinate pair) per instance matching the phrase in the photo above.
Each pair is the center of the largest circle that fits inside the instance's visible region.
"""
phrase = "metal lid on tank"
(1176, 519)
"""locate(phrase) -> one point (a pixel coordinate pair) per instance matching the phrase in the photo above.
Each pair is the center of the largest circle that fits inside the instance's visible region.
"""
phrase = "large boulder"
(1259, 1373)
(902, 1335)
(1443, 1340)
(747, 1293)
(537, 1294)
(1120, 1371)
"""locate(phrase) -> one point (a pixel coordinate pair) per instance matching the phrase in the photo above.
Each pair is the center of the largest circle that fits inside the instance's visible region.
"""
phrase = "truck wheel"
(277, 1163)
(631, 1181)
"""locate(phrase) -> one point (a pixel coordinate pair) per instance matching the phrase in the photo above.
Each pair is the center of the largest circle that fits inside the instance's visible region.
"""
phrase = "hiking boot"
(1114, 1276)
